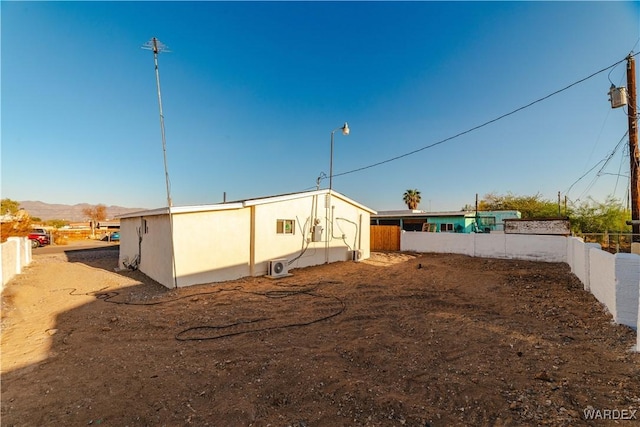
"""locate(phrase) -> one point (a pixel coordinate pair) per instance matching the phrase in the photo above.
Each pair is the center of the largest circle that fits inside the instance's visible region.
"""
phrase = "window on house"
(285, 226)
(487, 221)
(446, 228)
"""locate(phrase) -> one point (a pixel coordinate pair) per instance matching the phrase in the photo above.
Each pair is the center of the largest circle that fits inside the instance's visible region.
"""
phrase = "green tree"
(412, 198)
(592, 216)
(8, 206)
(529, 206)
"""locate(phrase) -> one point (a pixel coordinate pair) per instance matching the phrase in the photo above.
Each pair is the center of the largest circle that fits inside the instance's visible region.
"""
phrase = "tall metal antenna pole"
(156, 46)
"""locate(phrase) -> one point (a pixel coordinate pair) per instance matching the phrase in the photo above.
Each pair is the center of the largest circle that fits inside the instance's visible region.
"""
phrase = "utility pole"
(634, 156)
(477, 225)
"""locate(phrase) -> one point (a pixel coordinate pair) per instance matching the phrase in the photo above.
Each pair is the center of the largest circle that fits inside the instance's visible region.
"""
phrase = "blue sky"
(251, 93)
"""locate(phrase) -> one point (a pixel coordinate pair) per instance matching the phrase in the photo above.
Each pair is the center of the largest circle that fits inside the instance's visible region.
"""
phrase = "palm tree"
(411, 198)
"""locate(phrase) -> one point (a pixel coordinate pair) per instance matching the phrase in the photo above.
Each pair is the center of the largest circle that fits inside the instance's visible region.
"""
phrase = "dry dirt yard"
(399, 339)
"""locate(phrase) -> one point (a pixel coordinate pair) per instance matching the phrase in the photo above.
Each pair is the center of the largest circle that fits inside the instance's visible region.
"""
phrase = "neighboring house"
(226, 241)
(79, 225)
(112, 224)
(449, 222)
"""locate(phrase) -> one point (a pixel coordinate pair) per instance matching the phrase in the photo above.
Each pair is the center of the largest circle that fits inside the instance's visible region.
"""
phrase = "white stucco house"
(226, 241)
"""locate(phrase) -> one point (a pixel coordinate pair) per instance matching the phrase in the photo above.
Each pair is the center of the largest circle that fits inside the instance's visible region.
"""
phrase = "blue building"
(445, 222)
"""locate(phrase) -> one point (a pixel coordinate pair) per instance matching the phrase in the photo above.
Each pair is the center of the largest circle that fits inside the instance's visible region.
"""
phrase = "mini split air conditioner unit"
(278, 268)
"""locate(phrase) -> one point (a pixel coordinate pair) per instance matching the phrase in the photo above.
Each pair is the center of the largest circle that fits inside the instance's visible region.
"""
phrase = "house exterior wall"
(156, 249)
(501, 216)
(153, 251)
(212, 246)
(498, 216)
(350, 230)
(299, 248)
(225, 242)
(459, 223)
(128, 241)
(272, 245)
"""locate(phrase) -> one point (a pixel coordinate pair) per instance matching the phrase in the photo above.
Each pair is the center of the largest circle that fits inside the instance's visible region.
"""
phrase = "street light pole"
(345, 131)
(328, 219)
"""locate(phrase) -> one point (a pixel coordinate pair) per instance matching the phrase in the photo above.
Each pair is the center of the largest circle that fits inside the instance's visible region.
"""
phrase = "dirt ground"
(399, 339)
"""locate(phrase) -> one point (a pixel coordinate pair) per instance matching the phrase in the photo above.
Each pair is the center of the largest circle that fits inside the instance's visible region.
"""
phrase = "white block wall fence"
(613, 279)
(15, 254)
(491, 245)
(627, 291)
(578, 259)
(602, 267)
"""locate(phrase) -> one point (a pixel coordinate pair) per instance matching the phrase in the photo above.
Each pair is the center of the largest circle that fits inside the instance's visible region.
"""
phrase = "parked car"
(112, 237)
(39, 237)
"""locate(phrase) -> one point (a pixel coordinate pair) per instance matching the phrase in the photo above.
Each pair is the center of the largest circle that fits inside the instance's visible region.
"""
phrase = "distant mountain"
(46, 211)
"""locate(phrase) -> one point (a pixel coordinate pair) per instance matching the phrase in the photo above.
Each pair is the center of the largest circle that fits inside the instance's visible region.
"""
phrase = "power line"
(585, 174)
(605, 161)
(624, 153)
(483, 124)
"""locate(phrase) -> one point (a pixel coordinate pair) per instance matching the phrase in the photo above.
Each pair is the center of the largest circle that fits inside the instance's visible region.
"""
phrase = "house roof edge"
(241, 204)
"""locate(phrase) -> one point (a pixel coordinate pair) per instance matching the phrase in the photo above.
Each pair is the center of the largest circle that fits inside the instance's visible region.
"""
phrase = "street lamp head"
(345, 129)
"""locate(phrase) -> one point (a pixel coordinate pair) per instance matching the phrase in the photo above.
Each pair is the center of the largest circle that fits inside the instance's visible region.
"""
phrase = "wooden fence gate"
(385, 238)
